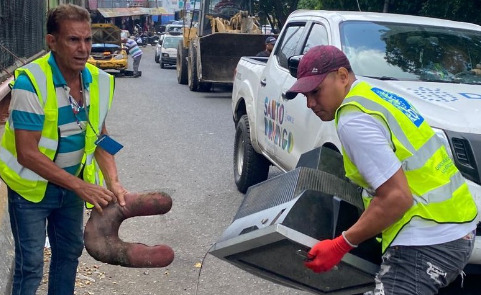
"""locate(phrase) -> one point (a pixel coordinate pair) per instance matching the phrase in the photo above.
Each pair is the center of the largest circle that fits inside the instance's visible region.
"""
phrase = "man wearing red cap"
(413, 193)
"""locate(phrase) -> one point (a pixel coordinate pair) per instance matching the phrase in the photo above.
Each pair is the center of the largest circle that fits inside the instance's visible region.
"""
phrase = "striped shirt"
(133, 48)
(26, 113)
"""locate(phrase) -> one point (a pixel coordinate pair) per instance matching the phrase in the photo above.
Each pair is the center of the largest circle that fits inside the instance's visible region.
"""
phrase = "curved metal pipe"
(101, 234)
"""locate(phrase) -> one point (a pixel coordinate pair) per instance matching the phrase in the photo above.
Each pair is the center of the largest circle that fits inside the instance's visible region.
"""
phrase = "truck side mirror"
(293, 63)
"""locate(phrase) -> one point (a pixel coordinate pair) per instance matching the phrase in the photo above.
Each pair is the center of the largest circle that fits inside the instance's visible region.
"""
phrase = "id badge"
(108, 144)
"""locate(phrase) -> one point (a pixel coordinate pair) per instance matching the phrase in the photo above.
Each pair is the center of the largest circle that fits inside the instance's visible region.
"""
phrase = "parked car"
(166, 51)
(107, 51)
(174, 29)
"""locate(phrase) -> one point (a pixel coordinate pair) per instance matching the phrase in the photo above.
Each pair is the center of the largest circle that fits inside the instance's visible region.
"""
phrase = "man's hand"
(327, 253)
(108, 167)
(95, 195)
(119, 192)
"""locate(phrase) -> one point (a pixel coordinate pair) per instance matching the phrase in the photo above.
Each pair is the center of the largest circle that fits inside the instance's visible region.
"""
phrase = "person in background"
(48, 154)
(414, 195)
(135, 52)
(270, 42)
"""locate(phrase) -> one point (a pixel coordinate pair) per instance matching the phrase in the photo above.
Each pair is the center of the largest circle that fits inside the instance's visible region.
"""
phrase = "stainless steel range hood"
(290, 213)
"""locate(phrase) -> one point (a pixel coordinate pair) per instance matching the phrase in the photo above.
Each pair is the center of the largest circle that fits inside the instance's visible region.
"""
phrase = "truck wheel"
(156, 58)
(193, 80)
(181, 64)
(250, 167)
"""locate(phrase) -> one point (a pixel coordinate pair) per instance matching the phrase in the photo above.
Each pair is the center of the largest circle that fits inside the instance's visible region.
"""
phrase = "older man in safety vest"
(48, 156)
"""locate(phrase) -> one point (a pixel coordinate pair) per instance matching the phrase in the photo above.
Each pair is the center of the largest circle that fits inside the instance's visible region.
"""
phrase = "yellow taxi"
(107, 49)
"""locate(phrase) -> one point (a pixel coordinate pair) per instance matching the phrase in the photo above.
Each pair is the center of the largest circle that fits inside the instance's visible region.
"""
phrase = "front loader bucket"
(220, 53)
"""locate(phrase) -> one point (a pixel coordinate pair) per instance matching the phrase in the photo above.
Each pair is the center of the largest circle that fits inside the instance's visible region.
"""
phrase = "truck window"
(317, 36)
(412, 52)
(289, 43)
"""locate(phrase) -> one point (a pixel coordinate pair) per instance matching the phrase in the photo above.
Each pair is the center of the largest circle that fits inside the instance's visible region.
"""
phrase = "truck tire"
(250, 167)
(181, 64)
(192, 78)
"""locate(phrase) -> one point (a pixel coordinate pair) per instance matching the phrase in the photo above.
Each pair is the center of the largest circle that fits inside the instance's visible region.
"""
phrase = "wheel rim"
(240, 155)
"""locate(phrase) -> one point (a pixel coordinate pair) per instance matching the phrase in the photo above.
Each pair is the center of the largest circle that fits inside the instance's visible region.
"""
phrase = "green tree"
(457, 10)
(275, 11)
(310, 4)
(349, 5)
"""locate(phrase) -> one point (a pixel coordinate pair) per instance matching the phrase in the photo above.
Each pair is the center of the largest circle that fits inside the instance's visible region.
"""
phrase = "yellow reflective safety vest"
(22, 180)
(439, 190)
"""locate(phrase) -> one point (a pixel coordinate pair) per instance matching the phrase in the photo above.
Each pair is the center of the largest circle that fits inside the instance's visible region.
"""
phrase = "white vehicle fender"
(245, 93)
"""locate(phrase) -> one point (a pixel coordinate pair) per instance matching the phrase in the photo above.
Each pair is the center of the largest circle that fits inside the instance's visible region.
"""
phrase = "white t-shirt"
(360, 135)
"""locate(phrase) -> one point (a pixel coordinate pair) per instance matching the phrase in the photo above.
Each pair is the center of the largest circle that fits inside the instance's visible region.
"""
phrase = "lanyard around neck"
(84, 102)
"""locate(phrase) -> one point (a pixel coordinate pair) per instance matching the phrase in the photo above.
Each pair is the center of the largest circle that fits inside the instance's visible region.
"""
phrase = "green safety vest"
(439, 190)
(22, 180)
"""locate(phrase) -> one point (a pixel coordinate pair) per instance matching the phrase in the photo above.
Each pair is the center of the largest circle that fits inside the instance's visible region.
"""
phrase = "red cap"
(314, 67)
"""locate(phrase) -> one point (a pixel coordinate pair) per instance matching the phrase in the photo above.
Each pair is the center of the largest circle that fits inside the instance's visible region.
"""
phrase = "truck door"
(306, 131)
(273, 127)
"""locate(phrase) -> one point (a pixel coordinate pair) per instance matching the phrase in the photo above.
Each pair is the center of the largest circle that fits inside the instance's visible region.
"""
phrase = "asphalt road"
(180, 142)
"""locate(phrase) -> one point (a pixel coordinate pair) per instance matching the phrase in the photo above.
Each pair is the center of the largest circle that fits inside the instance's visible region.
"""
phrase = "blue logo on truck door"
(273, 125)
(401, 104)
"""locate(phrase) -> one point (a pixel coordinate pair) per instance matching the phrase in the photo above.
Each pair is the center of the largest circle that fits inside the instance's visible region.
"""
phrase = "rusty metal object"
(101, 235)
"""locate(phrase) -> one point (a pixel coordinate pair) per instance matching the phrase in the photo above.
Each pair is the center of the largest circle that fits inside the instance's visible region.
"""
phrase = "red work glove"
(327, 253)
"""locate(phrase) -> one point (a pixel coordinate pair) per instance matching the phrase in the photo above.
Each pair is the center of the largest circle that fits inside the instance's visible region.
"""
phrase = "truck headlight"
(165, 54)
(442, 135)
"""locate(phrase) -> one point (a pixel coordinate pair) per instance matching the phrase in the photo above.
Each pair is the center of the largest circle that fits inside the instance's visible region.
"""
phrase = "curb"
(7, 251)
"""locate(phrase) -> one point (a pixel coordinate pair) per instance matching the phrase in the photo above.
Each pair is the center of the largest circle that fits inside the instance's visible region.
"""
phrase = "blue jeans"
(422, 270)
(61, 213)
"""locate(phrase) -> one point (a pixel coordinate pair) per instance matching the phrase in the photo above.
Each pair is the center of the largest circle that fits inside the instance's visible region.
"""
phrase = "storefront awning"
(131, 11)
(158, 11)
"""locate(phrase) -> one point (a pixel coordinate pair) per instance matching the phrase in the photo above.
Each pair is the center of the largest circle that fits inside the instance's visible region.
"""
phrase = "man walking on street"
(413, 193)
(134, 50)
(48, 155)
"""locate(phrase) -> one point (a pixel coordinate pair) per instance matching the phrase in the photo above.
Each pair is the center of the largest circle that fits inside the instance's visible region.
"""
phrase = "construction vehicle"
(214, 41)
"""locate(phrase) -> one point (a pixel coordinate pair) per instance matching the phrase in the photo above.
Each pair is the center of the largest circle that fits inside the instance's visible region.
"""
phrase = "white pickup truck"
(434, 63)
